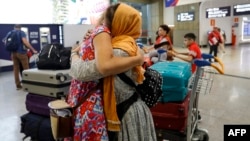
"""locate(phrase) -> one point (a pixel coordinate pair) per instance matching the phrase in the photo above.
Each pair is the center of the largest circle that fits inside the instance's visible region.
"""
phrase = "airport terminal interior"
(227, 102)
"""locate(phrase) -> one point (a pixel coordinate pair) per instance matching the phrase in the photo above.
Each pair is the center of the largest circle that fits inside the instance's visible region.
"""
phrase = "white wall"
(185, 2)
(73, 33)
(26, 11)
(168, 12)
(168, 15)
(224, 23)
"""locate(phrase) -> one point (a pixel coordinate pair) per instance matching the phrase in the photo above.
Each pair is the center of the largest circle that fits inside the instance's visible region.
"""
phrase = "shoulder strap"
(126, 79)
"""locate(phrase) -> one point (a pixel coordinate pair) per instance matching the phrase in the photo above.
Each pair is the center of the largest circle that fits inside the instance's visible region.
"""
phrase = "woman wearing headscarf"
(121, 25)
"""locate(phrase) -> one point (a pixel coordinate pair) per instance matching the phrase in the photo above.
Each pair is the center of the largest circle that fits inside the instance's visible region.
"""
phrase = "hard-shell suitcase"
(54, 83)
(38, 104)
(170, 135)
(174, 95)
(176, 76)
(171, 115)
(37, 127)
(175, 73)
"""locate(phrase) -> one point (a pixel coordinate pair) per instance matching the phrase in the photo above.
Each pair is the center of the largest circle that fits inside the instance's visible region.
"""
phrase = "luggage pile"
(171, 112)
(43, 86)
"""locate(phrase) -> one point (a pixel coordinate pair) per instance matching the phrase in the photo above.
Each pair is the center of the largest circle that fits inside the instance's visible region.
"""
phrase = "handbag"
(54, 56)
(150, 90)
(61, 115)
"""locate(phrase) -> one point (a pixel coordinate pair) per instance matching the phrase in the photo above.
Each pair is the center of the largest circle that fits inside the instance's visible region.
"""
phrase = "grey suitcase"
(53, 83)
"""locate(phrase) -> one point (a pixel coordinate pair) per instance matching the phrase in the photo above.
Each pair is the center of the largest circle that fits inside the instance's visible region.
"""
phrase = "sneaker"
(19, 88)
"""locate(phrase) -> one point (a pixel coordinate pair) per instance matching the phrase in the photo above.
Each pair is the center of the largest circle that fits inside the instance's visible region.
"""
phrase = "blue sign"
(169, 3)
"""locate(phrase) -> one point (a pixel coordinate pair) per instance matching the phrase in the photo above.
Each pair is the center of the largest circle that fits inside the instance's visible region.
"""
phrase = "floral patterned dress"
(90, 124)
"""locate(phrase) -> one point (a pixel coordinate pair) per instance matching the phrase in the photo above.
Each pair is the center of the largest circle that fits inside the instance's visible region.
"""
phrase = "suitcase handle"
(61, 77)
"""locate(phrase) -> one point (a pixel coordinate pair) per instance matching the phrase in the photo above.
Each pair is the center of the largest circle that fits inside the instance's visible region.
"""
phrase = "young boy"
(193, 53)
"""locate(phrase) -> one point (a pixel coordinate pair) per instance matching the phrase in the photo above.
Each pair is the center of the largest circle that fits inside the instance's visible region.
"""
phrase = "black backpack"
(150, 90)
(13, 41)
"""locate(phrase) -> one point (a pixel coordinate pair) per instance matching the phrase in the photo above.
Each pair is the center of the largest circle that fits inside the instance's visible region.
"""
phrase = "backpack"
(12, 41)
(54, 57)
(150, 90)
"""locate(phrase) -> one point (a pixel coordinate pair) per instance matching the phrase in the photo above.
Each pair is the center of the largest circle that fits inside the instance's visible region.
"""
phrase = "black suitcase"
(37, 127)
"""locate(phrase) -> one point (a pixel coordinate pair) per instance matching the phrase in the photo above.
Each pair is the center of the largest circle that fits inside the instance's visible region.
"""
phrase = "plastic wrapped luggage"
(176, 76)
(38, 104)
(171, 115)
(37, 127)
(53, 83)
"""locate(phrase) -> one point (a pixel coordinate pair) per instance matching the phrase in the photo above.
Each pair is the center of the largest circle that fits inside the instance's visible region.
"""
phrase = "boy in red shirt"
(193, 53)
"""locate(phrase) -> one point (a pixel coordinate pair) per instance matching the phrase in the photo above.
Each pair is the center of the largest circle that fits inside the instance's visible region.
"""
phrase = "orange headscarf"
(126, 27)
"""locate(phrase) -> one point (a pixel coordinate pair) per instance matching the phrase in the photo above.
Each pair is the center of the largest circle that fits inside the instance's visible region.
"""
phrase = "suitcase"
(38, 104)
(37, 127)
(171, 115)
(174, 95)
(176, 76)
(170, 135)
(54, 83)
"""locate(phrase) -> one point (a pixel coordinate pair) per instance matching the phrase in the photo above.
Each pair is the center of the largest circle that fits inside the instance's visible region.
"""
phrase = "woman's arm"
(84, 70)
(108, 64)
(89, 70)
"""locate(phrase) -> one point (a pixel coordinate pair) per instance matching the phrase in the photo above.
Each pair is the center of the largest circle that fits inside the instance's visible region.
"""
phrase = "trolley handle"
(203, 62)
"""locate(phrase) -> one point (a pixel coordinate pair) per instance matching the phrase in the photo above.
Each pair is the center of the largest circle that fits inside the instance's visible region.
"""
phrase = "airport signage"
(241, 9)
(185, 16)
(219, 12)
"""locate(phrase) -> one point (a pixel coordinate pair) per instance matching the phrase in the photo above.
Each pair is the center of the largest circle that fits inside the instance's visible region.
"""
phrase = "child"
(163, 42)
(193, 53)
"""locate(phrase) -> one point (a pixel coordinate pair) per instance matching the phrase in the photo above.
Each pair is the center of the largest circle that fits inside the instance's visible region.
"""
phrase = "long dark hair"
(109, 15)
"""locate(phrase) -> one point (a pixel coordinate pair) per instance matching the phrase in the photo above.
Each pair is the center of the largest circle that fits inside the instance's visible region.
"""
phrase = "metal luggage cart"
(201, 83)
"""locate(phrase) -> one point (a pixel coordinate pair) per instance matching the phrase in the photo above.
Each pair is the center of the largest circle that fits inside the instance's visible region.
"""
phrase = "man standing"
(19, 56)
(214, 39)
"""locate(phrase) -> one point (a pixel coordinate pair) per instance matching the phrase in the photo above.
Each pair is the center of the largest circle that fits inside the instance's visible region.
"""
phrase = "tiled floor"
(227, 103)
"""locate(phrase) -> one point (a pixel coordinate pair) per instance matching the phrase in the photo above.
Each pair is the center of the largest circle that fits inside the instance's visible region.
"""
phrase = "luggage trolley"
(200, 83)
